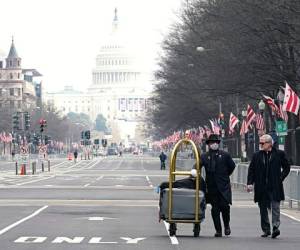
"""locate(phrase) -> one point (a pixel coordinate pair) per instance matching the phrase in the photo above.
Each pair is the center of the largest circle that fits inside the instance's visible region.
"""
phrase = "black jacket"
(217, 179)
(276, 171)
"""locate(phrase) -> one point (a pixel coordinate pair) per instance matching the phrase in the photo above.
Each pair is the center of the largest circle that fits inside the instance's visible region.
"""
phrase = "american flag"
(270, 101)
(283, 114)
(244, 128)
(233, 121)
(291, 100)
(250, 116)
(260, 124)
(215, 126)
(207, 131)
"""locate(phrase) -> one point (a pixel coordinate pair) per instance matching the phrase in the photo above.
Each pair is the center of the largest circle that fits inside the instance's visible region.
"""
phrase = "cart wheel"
(196, 229)
(172, 229)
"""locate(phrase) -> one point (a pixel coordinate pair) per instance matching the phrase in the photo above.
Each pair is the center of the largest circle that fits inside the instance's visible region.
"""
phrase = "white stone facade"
(119, 90)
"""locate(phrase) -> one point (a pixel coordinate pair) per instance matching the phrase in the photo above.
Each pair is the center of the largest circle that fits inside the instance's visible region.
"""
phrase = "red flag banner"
(270, 101)
(244, 128)
(291, 100)
(260, 124)
(233, 121)
(250, 116)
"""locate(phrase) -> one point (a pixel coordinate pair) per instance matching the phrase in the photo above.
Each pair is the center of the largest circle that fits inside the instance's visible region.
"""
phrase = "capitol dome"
(117, 65)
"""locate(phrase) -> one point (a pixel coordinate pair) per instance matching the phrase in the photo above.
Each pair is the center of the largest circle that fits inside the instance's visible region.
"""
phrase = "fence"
(239, 179)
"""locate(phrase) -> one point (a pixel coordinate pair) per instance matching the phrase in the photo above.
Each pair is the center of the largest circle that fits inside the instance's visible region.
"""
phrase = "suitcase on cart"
(183, 204)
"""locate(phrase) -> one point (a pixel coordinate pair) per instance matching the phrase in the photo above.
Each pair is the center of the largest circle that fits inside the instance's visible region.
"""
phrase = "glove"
(249, 188)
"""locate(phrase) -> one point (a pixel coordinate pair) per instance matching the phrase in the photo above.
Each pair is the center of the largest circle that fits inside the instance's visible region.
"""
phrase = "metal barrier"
(239, 179)
(291, 183)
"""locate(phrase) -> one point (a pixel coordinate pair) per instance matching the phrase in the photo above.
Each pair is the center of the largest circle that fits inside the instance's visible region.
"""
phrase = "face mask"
(214, 146)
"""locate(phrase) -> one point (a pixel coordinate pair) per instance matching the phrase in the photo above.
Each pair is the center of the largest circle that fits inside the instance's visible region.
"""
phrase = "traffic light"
(27, 120)
(47, 139)
(43, 125)
(16, 122)
(96, 141)
(87, 134)
(82, 135)
(104, 142)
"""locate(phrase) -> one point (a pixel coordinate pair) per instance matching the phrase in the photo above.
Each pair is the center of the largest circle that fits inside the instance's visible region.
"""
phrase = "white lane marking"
(131, 240)
(172, 238)
(30, 239)
(86, 185)
(100, 218)
(99, 178)
(4, 230)
(150, 183)
(290, 216)
(97, 240)
(23, 183)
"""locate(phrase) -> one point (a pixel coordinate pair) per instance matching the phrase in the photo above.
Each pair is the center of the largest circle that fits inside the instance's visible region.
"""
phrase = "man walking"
(218, 167)
(267, 170)
(162, 158)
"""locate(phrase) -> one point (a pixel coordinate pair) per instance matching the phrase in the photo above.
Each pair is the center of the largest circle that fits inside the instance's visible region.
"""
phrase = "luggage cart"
(198, 212)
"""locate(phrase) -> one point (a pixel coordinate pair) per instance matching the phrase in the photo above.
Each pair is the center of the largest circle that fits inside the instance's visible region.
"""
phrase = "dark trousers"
(274, 206)
(219, 206)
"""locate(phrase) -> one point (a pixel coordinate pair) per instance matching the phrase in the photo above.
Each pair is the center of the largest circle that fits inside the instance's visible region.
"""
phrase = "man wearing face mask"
(218, 167)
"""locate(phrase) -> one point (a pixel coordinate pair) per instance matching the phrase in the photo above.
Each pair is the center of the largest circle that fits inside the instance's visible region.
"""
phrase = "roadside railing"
(239, 180)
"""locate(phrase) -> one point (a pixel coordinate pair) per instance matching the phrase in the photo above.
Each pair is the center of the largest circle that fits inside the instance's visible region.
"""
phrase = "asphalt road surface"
(110, 203)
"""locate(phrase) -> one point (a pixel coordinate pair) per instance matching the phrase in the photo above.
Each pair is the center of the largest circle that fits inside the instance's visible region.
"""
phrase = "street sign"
(23, 150)
(281, 128)
(281, 140)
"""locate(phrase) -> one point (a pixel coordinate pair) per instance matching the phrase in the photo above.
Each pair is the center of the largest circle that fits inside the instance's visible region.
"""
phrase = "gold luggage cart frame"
(172, 174)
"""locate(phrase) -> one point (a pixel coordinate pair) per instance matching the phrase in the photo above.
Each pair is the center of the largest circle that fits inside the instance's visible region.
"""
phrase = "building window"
(18, 92)
(19, 63)
(11, 104)
(10, 63)
(19, 104)
(11, 76)
(1, 91)
(18, 75)
(11, 92)
(0, 76)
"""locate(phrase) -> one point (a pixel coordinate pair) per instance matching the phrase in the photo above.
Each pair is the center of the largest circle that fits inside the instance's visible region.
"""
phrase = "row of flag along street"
(291, 103)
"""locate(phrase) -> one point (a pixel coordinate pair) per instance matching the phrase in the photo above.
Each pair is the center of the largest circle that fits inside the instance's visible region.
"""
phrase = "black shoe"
(275, 233)
(218, 234)
(266, 234)
(227, 231)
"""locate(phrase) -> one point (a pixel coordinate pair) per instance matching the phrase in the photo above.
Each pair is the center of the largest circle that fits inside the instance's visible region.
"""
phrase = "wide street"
(110, 203)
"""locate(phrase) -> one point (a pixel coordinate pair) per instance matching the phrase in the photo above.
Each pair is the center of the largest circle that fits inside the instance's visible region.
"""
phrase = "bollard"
(48, 165)
(290, 203)
(25, 169)
(16, 168)
(42, 166)
(33, 167)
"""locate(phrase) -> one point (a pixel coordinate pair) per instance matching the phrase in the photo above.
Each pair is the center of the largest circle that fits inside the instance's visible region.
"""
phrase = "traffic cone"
(70, 157)
(22, 170)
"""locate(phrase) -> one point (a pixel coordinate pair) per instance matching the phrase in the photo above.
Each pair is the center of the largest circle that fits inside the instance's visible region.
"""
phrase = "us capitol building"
(119, 91)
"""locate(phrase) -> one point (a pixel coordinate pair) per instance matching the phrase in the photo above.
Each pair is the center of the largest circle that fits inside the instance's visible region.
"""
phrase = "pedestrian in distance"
(218, 166)
(162, 158)
(75, 155)
(267, 171)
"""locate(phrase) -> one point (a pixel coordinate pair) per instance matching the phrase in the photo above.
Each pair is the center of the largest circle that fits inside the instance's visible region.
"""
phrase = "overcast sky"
(61, 38)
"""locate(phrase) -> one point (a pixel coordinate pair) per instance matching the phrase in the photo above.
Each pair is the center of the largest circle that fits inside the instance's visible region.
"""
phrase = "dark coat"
(162, 157)
(279, 169)
(219, 178)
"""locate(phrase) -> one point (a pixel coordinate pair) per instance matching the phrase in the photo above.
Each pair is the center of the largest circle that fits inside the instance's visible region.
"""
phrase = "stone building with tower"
(18, 88)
